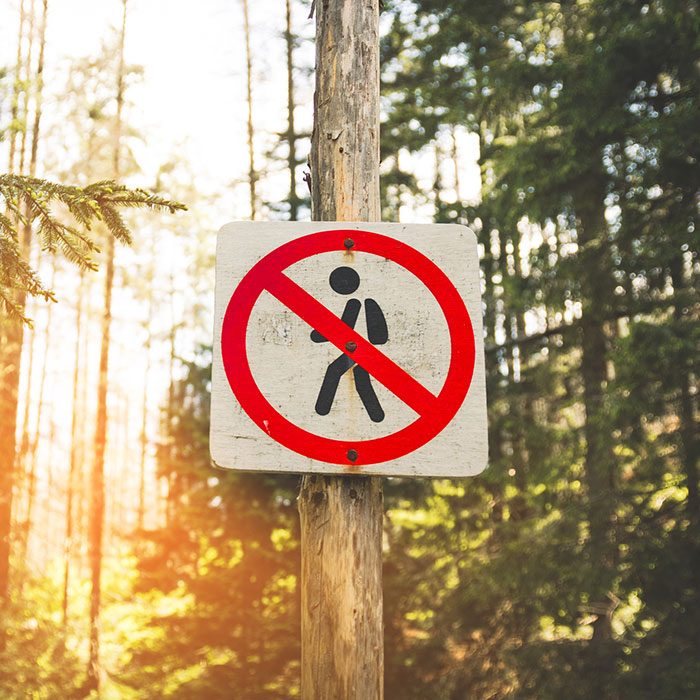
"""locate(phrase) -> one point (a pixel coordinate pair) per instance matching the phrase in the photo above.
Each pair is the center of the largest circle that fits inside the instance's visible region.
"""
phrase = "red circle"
(268, 418)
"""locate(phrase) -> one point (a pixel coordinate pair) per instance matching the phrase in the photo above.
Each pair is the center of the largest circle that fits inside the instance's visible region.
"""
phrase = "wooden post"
(341, 517)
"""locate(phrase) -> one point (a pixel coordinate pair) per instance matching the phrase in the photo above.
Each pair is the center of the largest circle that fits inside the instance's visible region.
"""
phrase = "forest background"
(566, 135)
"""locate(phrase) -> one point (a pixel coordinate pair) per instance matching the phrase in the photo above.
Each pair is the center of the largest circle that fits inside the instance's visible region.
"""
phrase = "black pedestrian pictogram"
(345, 280)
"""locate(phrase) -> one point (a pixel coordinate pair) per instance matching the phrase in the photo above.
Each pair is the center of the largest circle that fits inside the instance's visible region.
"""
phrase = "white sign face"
(346, 348)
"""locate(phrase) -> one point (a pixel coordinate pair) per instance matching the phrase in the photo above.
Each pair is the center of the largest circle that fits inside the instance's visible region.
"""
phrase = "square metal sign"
(348, 348)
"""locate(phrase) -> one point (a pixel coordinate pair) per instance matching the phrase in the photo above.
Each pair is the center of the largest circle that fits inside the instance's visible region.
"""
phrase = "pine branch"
(29, 200)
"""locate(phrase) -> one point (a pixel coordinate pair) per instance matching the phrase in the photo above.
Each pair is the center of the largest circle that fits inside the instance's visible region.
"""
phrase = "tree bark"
(97, 478)
(9, 383)
(345, 142)
(341, 587)
(341, 517)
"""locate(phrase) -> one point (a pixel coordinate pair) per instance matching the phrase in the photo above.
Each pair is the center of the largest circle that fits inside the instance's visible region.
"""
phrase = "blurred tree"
(73, 468)
(97, 479)
(230, 554)
(32, 199)
(559, 95)
(252, 172)
(291, 134)
(292, 144)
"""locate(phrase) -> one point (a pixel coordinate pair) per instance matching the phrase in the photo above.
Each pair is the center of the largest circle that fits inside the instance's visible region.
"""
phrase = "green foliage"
(35, 660)
(583, 112)
(495, 587)
(32, 201)
(228, 556)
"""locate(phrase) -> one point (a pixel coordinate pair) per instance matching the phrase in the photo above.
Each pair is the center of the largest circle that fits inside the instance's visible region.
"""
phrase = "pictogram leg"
(363, 382)
(326, 395)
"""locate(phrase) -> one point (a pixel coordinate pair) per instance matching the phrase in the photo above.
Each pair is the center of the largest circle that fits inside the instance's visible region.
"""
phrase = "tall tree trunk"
(123, 482)
(490, 266)
(24, 443)
(596, 292)
(687, 439)
(38, 92)
(144, 417)
(455, 164)
(341, 516)
(24, 108)
(398, 204)
(16, 90)
(252, 173)
(438, 202)
(82, 506)
(80, 478)
(26, 251)
(520, 356)
(291, 130)
(12, 332)
(172, 475)
(392, 193)
(34, 442)
(97, 484)
(48, 538)
(73, 466)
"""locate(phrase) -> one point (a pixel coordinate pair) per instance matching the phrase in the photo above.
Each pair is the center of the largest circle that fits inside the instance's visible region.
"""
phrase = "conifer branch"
(30, 200)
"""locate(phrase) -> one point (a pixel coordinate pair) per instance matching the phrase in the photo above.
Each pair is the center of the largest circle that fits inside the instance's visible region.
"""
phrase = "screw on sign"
(400, 387)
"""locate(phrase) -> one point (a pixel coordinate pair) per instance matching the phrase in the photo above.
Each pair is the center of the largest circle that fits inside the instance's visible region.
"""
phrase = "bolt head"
(351, 346)
(348, 243)
(352, 455)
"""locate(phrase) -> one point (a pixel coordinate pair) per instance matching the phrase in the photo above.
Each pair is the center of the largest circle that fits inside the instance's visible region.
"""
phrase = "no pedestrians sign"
(348, 348)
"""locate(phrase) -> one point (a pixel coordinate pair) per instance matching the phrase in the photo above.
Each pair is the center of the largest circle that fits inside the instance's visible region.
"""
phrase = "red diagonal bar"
(384, 370)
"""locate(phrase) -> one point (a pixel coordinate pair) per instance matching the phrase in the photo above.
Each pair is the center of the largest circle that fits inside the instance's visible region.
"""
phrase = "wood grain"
(345, 142)
(342, 633)
(341, 516)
